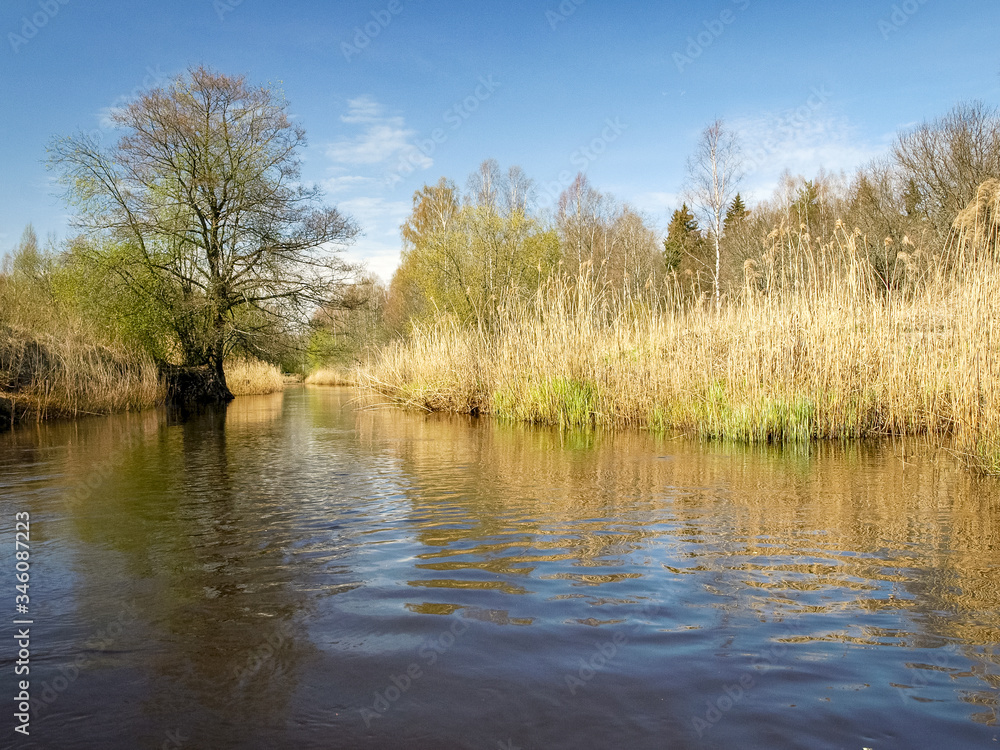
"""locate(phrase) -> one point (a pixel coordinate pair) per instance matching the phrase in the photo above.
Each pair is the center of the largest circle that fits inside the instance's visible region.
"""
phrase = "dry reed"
(816, 345)
(332, 376)
(43, 376)
(251, 377)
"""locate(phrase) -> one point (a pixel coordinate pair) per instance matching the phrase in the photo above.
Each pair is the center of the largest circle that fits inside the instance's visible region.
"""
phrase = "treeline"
(464, 251)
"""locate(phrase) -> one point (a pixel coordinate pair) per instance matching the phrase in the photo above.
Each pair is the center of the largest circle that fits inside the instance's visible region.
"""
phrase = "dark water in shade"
(302, 573)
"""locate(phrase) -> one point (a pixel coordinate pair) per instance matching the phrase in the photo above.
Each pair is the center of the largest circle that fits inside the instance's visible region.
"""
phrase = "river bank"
(815, 346)
(48, 377)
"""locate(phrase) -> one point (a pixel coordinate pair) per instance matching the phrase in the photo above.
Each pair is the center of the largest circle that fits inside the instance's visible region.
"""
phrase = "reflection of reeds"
(255, 410)
(848, 518)
(249, 377)
(817, 344)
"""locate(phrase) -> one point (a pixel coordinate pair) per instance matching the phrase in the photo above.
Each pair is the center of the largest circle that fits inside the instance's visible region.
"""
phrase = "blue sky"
(619, 89)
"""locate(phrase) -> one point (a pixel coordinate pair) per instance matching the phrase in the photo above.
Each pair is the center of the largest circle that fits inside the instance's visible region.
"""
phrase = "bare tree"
(948, 159)
(584, 216)
(202, 202)
(714, 174)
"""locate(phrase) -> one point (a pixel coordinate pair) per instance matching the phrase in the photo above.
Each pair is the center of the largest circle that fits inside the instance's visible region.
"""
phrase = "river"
(306, 570)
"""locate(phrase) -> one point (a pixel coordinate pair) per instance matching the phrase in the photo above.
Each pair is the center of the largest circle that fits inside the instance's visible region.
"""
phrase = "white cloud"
(341, 183)
(377, 212)
(379, 245)
(802, 141)
(364, 109)
(376, 144)
(384, 138)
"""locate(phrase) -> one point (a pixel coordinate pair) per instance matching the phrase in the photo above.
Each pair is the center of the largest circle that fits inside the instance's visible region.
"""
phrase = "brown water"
(302, 573)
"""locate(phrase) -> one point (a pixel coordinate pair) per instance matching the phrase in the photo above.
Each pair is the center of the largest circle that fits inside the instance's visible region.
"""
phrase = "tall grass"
(815, 345)
(44, 375)
(332, 376)
(252, 377)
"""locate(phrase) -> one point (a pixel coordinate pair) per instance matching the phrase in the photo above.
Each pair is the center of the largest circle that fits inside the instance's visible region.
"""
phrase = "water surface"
(301, 571)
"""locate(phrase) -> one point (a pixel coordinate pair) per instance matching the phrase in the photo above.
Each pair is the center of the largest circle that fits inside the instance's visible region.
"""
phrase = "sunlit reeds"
(331, 376)
(817, 344)
(251, 377)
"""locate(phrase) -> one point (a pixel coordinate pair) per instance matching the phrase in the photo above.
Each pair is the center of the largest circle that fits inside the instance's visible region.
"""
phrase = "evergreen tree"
(684, 239)
(807, 206)
(912, 199)
(737, 212)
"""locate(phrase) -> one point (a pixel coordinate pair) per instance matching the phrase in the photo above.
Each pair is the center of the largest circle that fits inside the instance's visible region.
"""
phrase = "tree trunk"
(187, 385)
(6, 413)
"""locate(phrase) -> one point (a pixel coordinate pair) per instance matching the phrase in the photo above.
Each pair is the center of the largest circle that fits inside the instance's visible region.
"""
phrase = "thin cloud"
(378, 249)
(384, 138)
(346, 183)
(803, 142)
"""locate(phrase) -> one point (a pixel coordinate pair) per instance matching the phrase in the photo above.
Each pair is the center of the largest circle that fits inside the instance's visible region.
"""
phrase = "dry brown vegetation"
(68, 375)
(332, 376)
(250, 377)
(818, 343)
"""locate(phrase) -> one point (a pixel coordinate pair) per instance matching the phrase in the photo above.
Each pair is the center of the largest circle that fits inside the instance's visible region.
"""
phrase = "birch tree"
(714, 174)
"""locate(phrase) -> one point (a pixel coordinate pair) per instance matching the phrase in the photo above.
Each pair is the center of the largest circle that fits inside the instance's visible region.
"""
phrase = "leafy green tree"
(462, 256)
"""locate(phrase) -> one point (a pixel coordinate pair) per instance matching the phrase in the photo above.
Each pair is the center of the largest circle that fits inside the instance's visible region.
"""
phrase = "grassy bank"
(815, 345)
(44, 376)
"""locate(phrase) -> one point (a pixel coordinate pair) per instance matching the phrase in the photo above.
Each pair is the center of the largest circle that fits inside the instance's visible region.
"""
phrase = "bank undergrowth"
(816, 345)
(249, 377)
(43, 375)
(332, 376)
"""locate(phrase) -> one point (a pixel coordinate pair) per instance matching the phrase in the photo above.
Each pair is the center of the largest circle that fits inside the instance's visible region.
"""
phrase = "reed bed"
(332, 376)
(816, 345)
(252, 377)
(44, 376)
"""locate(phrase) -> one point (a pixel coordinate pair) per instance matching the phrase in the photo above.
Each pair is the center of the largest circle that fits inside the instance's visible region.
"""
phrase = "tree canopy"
(198, 211)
